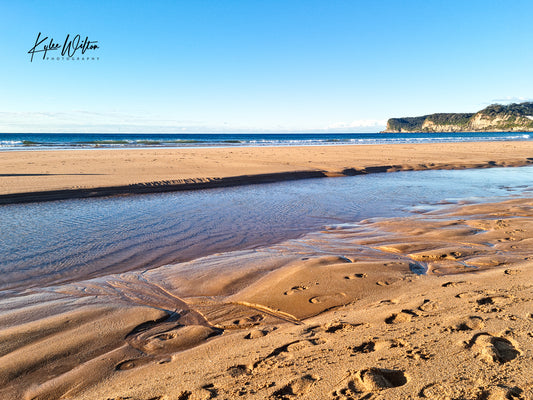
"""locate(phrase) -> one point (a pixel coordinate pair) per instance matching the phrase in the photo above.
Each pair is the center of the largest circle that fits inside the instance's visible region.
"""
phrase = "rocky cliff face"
(494, 118)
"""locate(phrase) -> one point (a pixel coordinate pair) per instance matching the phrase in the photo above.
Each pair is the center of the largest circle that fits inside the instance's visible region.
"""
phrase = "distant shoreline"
(512, 118)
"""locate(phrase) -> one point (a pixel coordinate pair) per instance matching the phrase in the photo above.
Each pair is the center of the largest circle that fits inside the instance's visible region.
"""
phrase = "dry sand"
(70, 173)
(338, 314)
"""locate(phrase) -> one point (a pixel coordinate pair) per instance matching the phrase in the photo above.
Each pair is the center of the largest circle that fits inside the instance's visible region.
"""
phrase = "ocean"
(39, 141)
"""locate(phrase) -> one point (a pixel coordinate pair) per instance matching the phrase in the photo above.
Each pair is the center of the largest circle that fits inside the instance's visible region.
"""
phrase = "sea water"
(40, 141)
(46, 243)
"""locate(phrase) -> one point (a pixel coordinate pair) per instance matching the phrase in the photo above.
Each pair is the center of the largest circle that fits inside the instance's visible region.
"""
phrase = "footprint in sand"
(371, 380)
(401, 317)
(491, 300)
(133, 363)
(418, 354)
(389, 301)
(493, 348)
(239, 370)
(470, 324)
(429, 305)
(436, 391)
(255, 334)
(501, 393)
(465, 295)
(370, 346)
(491, 304)
(456, 390)
(248, 321)
(453, 284)
(335, 327)
(303, 344)
(205, 392)
(373, 345)
(328, 298)
(283, 352)
(296, 388)
(295, 289)
(209, 391)
(512, 271)
(355, 276)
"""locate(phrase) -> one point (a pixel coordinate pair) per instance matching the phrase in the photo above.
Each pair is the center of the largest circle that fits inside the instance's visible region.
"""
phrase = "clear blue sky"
(260, 66)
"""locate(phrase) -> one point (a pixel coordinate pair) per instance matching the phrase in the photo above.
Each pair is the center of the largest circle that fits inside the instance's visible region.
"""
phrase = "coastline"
(53, 175)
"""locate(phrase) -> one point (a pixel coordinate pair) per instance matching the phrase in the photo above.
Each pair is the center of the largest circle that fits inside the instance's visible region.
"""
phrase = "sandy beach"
(260, 200)
(437, 305)
(51, 175)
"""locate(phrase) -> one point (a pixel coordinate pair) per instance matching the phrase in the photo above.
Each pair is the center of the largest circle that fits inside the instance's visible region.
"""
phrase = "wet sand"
(51, 175)
(433, 306)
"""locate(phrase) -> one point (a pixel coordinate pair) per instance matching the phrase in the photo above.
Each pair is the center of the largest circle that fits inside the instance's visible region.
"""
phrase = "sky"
(259, 66)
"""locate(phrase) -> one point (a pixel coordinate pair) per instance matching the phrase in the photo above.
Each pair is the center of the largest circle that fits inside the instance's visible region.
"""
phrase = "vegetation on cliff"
(494, 118)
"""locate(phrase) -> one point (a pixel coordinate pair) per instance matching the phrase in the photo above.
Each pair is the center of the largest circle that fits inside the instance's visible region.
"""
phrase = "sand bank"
(341, 314)
(51, 175)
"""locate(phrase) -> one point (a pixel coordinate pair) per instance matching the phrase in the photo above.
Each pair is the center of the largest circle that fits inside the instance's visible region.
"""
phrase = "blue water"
(27, 141)
(46, 243)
